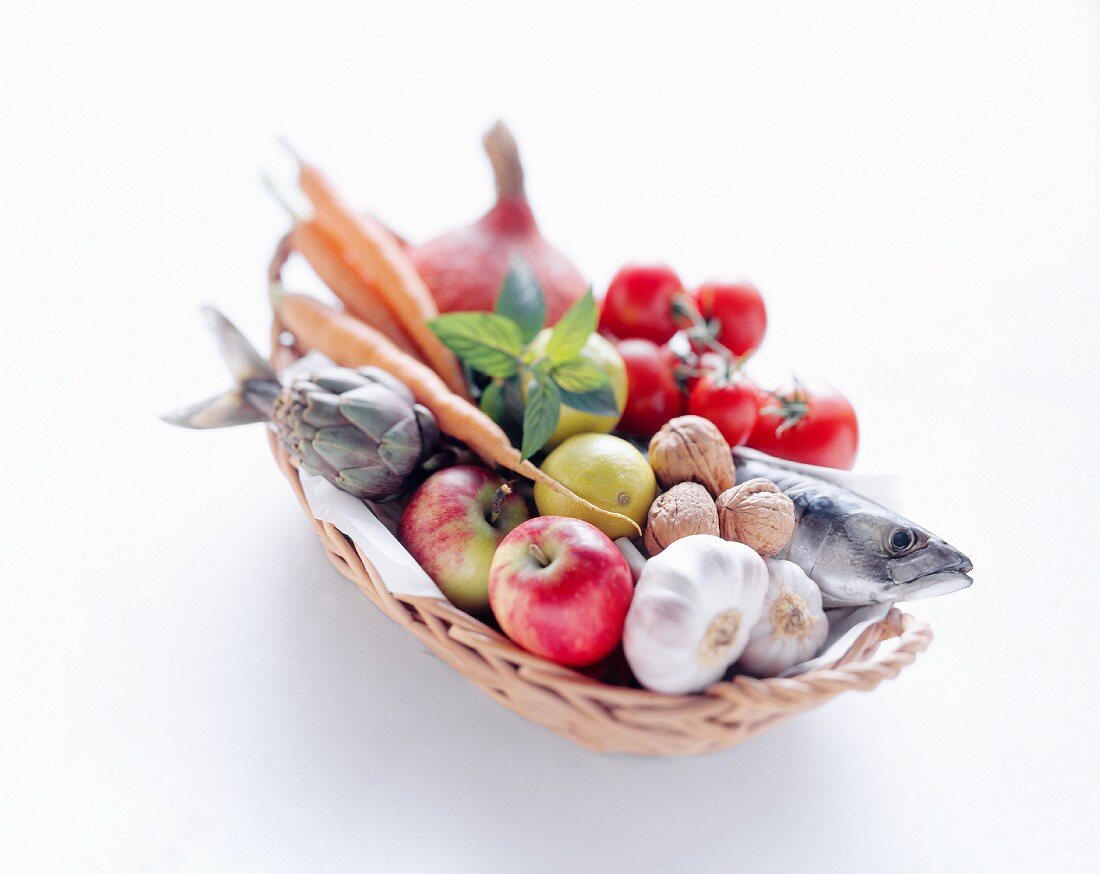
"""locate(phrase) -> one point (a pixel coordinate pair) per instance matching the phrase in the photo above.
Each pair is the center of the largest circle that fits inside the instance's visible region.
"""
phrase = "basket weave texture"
(597, 715)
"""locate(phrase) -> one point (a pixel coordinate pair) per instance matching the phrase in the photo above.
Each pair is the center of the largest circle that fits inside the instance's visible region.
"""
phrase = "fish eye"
(902, 540)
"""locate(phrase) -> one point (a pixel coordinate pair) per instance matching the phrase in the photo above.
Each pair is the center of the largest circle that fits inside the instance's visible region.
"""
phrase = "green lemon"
(602, 469)
(602, 353)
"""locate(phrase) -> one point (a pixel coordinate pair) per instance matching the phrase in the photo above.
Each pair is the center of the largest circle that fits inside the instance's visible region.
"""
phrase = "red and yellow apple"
(560, 589)
(452, 526)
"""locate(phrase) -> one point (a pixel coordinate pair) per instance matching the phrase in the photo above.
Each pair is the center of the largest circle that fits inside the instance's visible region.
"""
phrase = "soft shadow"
(377, 729)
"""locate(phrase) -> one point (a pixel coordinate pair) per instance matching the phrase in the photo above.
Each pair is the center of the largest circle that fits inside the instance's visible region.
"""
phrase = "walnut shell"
(757, 514)
(684, 509)
(692, 449)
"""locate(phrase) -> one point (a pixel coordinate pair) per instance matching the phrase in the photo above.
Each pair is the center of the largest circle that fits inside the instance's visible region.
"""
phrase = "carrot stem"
(369, 243)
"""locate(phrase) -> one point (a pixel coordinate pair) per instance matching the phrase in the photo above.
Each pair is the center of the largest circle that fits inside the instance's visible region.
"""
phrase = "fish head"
(870, 557)
(926, 568)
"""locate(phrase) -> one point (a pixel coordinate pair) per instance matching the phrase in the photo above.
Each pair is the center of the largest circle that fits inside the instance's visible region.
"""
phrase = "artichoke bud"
(378, 375)
(374, 409)
(321, 409)
(359, 429)
(337, 379)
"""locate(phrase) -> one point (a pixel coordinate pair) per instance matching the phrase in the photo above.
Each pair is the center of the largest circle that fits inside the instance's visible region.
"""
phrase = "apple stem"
(497, 503)
(538, 554)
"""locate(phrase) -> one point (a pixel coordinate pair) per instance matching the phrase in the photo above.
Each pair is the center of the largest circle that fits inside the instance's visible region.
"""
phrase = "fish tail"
(252, 396)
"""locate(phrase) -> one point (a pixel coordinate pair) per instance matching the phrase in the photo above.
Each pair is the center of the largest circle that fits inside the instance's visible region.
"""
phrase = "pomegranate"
(464, 268)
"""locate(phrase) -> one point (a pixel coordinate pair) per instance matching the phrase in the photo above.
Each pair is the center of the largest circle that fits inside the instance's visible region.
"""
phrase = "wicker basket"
(597, 715)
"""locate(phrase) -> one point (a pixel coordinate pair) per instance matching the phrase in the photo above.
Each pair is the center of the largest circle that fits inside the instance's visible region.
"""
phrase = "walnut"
(684, 509)
(692, 449)
(757, 514)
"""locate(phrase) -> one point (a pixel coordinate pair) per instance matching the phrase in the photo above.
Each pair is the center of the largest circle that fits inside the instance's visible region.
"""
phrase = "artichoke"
(360, 429)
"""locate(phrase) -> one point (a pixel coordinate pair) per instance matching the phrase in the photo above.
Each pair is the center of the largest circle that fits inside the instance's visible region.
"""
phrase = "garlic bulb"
(791, 628)
(693, 610)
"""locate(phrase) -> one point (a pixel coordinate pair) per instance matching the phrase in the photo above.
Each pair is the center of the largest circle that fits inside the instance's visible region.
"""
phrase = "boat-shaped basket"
(601, 716)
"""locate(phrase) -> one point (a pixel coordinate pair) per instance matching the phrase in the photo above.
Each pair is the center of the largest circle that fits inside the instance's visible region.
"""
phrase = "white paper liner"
(399, 571)
(401, 575)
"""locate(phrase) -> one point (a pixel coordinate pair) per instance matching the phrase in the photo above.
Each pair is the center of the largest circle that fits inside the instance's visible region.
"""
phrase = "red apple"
(452, 526)
(560, 589)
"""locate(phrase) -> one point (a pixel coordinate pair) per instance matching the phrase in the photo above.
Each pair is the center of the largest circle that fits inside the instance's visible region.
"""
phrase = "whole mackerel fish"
(858, 552)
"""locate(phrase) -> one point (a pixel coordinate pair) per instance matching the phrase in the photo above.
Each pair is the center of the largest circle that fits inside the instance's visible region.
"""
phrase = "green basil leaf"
(486, 341)
(492, 400)
(521, 300)
(578, 375)
(573, 329)
(541, 416)
(599, 401)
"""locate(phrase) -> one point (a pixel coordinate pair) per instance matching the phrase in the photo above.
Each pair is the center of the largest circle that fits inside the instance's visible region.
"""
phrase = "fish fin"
(252, 396)
(220, 411)
(242, 359)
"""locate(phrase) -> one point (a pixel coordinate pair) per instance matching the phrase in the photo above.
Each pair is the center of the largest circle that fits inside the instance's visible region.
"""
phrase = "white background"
(185, 684)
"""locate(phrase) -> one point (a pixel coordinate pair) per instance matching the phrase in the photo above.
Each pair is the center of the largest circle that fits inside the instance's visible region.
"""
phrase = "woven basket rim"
(593, 713)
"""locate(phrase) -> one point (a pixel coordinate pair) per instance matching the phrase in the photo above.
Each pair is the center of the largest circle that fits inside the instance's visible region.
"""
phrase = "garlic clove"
(792, 626)
(694, 608)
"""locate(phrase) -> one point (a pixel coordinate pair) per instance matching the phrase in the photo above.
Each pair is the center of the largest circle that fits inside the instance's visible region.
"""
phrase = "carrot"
(352, 343)
(400, 285)
(350, 281)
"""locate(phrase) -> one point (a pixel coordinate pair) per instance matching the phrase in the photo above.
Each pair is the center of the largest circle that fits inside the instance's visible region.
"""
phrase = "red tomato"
(639, 303)
(653, 397)
(677, 366)
(739, 311)
(810, 426)
(730, 402)
(671, 360)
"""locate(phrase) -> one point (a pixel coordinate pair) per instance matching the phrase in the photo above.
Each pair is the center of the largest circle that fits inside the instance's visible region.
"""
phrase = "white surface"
(184, 683)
